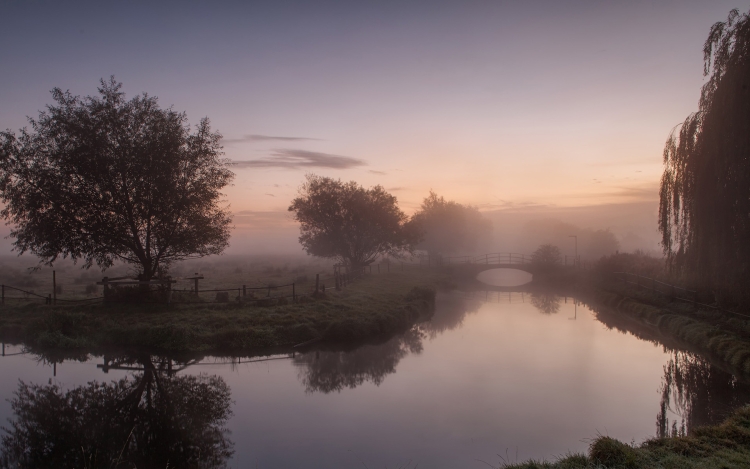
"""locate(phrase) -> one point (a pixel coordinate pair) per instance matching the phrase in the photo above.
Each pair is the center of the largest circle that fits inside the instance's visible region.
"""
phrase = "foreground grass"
(722, 446)
(375, 305)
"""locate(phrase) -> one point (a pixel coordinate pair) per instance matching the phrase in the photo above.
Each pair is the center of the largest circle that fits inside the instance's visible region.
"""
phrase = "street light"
(575, 260)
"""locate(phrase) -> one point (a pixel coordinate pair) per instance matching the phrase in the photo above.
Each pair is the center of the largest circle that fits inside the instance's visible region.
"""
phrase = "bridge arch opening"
(505, 277)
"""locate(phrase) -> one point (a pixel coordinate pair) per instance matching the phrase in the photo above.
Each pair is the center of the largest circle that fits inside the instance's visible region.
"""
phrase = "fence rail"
(490, 258)
(669, 290)
(245, 293)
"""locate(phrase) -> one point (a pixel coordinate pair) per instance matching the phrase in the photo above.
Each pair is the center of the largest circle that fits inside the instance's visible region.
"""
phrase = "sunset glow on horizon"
(498, 105)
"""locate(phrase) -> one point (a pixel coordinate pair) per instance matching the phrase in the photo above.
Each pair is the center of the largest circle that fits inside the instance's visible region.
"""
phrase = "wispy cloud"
(294, 159)
(394, 189)
(266, 138)
(263, 219)
(382, 173)
(510, 205)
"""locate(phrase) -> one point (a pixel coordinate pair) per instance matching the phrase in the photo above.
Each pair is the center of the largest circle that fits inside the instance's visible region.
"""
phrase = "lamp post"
(575, 259)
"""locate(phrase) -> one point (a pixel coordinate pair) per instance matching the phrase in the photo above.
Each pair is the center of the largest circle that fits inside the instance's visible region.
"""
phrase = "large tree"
(704, 214)
(448, 226)
(347, 222)
(103, 179)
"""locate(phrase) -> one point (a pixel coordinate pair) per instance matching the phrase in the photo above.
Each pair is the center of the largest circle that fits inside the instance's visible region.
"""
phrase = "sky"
(502, 105)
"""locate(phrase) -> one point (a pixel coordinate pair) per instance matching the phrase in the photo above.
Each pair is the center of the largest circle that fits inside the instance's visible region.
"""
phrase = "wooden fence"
(669, 290)
(167, 293)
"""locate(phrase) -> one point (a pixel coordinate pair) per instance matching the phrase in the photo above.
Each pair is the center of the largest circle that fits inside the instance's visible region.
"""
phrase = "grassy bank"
(725, 446)
(374, 306)
(718, 335)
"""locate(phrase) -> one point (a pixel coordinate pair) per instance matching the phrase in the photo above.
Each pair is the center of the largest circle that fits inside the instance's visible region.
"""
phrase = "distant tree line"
(355, 225)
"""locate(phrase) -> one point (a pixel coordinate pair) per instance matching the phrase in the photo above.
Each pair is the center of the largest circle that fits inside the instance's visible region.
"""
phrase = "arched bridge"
(473, 265)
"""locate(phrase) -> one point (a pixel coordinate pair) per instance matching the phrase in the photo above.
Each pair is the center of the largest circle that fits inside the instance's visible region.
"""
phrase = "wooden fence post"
(244, 291)
(54, 288)
(317, 282)
(105, 288)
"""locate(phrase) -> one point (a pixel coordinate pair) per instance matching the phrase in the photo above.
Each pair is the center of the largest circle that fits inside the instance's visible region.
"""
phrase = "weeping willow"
(704, 211)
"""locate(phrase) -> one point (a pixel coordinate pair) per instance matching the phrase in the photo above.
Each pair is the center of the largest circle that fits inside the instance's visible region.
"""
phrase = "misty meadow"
(394, 234)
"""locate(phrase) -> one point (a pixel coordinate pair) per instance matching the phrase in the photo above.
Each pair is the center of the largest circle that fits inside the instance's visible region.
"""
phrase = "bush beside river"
(725, 446)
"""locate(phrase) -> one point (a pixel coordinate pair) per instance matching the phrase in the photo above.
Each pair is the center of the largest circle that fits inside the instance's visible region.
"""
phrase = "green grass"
(724, 446)
(373, 306)
(719, 336)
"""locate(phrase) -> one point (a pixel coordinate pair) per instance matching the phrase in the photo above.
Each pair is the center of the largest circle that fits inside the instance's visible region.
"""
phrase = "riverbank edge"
(371, 310)
(715, 343)
(726, 446)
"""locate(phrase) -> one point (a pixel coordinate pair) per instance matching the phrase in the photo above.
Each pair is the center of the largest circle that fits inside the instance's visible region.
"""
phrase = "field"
(369, 308)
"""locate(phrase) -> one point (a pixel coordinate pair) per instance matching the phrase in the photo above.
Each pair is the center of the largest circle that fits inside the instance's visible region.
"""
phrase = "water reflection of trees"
(546, 303)
(151, 418)
(698, 392)
(329, 371)
(326, 372)
(450, 311)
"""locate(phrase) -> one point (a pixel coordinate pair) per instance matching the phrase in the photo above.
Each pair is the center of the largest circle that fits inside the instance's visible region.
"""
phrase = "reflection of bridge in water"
(507, 296)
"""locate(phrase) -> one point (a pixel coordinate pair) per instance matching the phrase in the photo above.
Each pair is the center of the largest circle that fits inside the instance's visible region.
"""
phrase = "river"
(492, 377)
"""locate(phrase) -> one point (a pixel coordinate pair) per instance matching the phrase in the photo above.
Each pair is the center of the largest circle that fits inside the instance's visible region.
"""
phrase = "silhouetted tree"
(103, 179)
(447, 226)
(600, 243)
(705, 189)
(151, 420)
(546, 255)
(347, 222)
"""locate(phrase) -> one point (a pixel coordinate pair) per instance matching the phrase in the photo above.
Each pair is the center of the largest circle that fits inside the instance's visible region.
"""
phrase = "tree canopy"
(448, 226)
(704, 213)
(347, 222)
(546, 255)
(102, 179)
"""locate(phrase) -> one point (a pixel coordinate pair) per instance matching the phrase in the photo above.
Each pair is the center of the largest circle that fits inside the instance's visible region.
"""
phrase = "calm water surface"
(516, 374)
